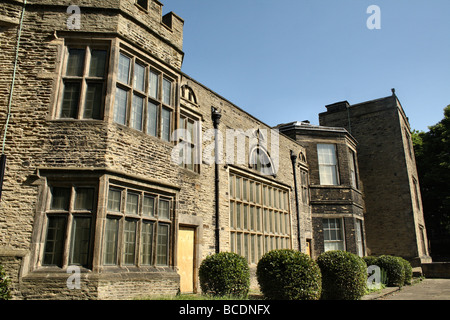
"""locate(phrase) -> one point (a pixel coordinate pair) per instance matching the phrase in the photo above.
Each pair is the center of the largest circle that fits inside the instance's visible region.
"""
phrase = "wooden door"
(185, 255)
(308, 247)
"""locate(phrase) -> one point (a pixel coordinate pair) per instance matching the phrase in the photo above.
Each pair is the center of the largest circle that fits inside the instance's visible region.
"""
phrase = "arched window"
(302, 157)
(260, 160)
(188, 94)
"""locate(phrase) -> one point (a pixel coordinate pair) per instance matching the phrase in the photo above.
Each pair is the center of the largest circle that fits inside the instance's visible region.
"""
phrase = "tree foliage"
(432, 150)
(5, 282)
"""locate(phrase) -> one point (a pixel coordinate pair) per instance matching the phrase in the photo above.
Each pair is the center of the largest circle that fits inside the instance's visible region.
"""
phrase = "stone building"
(335, 187)
(394, 214)
(115, 175)
(123, 173)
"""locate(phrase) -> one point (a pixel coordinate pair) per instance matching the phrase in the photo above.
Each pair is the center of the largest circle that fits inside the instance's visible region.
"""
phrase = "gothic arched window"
(302, 157)
(260, 161)
(188, 94)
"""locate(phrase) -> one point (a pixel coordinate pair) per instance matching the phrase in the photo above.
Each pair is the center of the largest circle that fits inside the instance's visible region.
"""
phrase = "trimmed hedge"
(5, 292)
(344, 275)
(391, 266)
(394, 268)
(225, 274)
(373, 261)
(370, 260)
(407, 268)
(289, 275)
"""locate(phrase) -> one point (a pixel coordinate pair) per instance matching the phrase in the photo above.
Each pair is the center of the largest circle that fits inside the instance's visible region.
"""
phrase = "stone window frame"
(304, 178)
(114, 47)
(195, 142)
(42, 221)
(353, 166)
(131, 91)
(262, 234)
(100, 180)
(342, 234)
(140, 218)
(335, 166)
(359, 237)
(88, 46)
(304, 185)
(257, 154)
(188, 94)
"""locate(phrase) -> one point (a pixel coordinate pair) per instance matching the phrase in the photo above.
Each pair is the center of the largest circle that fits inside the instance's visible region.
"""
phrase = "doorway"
(185, 259)
(308, 247)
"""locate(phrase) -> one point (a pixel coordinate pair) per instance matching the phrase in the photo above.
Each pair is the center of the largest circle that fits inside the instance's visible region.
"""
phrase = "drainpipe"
(297, 203)
(216, 116)
(16, 59)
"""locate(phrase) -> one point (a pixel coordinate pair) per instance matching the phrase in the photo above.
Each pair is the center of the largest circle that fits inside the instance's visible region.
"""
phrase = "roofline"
(393, 96)
(237, 107)
(304, 126)
(371, 101)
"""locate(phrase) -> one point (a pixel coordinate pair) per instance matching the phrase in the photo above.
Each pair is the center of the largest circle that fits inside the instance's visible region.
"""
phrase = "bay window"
(135, 225)
(83, 82)
(69, 219)
(328, 166)
(359, 238)
(144, 97)
(333, 234)
(143, 94)
(353, 169)
(137, 228)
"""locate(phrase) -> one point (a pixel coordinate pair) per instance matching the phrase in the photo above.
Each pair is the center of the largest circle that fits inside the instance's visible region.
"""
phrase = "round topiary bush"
(5, 292)
(225, 274)
(344, 275)
(394, 269)
(289, 275)
(407, 268)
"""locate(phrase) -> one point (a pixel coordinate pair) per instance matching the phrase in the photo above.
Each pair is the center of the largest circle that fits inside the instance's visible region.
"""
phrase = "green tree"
(432, 150)
(5, 282)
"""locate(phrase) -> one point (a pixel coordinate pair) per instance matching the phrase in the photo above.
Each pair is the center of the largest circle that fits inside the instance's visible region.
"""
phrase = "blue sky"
(285, 60)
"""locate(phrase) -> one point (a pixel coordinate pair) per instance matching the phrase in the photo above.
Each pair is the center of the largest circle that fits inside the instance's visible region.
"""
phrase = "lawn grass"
(189, 297)
(252, 295)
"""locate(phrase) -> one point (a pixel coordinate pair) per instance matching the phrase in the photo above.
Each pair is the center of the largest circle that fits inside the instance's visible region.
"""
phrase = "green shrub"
(394, 269)
(225, 274)
(407, 268)
(370, 260)
(373, 261)
(289, 275)
(5, 292)
(344, 275)
(384, 277)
